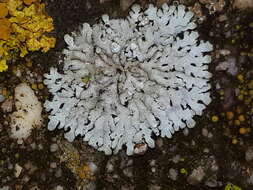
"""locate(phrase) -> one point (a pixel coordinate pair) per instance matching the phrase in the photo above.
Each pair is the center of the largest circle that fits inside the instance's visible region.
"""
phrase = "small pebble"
(58, 173)
(176, 159)
(89, 186)
(2, 98)
(10, 166)
(204, 132)
(7, 105)
(53, 165)
(26, 178)
(196, 176)
(249, 154)
(206, 150)
(173, 174)
(186, 131)
(109, 167)
(152, 163)
(154, 187)
(223, 18)
(40, 146)
(33, 145)
(128, 172)
(53, 147)
(159, 142)
(224, 52)
(140, 149)
(193, 143)
(18, 170)
(58, 187)
(5, 188)
(93, 167)
(35, 188)
(210, 135)
(211, 183)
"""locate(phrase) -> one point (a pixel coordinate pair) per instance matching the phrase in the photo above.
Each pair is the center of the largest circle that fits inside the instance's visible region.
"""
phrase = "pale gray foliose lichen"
(125, 80)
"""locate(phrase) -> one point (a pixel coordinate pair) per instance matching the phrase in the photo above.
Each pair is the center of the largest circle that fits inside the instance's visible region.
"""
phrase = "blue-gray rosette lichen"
(124, 80)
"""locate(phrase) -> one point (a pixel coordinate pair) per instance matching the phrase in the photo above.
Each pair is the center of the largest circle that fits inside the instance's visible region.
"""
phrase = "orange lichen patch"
(240, 77)
(33, 24)
(5, 21)
(29, 2)
(237, 121)
(243, 131)
(5, 29)
(36, 44)
(72, 159)
(230, 115)
(25, 28)
(241, 118)
(3, 10)
(84, 172)
(4, 32)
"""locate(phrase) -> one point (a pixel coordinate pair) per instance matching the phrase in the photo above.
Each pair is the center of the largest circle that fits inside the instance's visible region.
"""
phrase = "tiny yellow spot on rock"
(240, 77)
(3, 10)
(3, 65)
(237, 122)
(243, 131)
(221, 92)
(86, 79)
(240, 97)
(241, 118)
(237, 27)
(40, 86)
(29, 63)
(230, 186)
(238, 110)
(243, 53)
(230, 115)
(34, 86)
(4, 92)
(215, 118)
(234, 141)
(250, 85)
(183, 171)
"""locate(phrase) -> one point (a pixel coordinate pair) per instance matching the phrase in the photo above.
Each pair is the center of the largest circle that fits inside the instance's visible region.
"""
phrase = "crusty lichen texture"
(28, 114)
(125, 80)
(23, 28)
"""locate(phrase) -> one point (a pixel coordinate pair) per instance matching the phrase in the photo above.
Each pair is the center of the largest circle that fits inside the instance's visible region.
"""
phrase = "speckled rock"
(5, 188)
(125, 4)
(54, 147)
(58, 187)
(7, 105)
(140, 149)
(18, 170)
(243, 4)
(173, 173)
(196, 176)
(249, 154)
